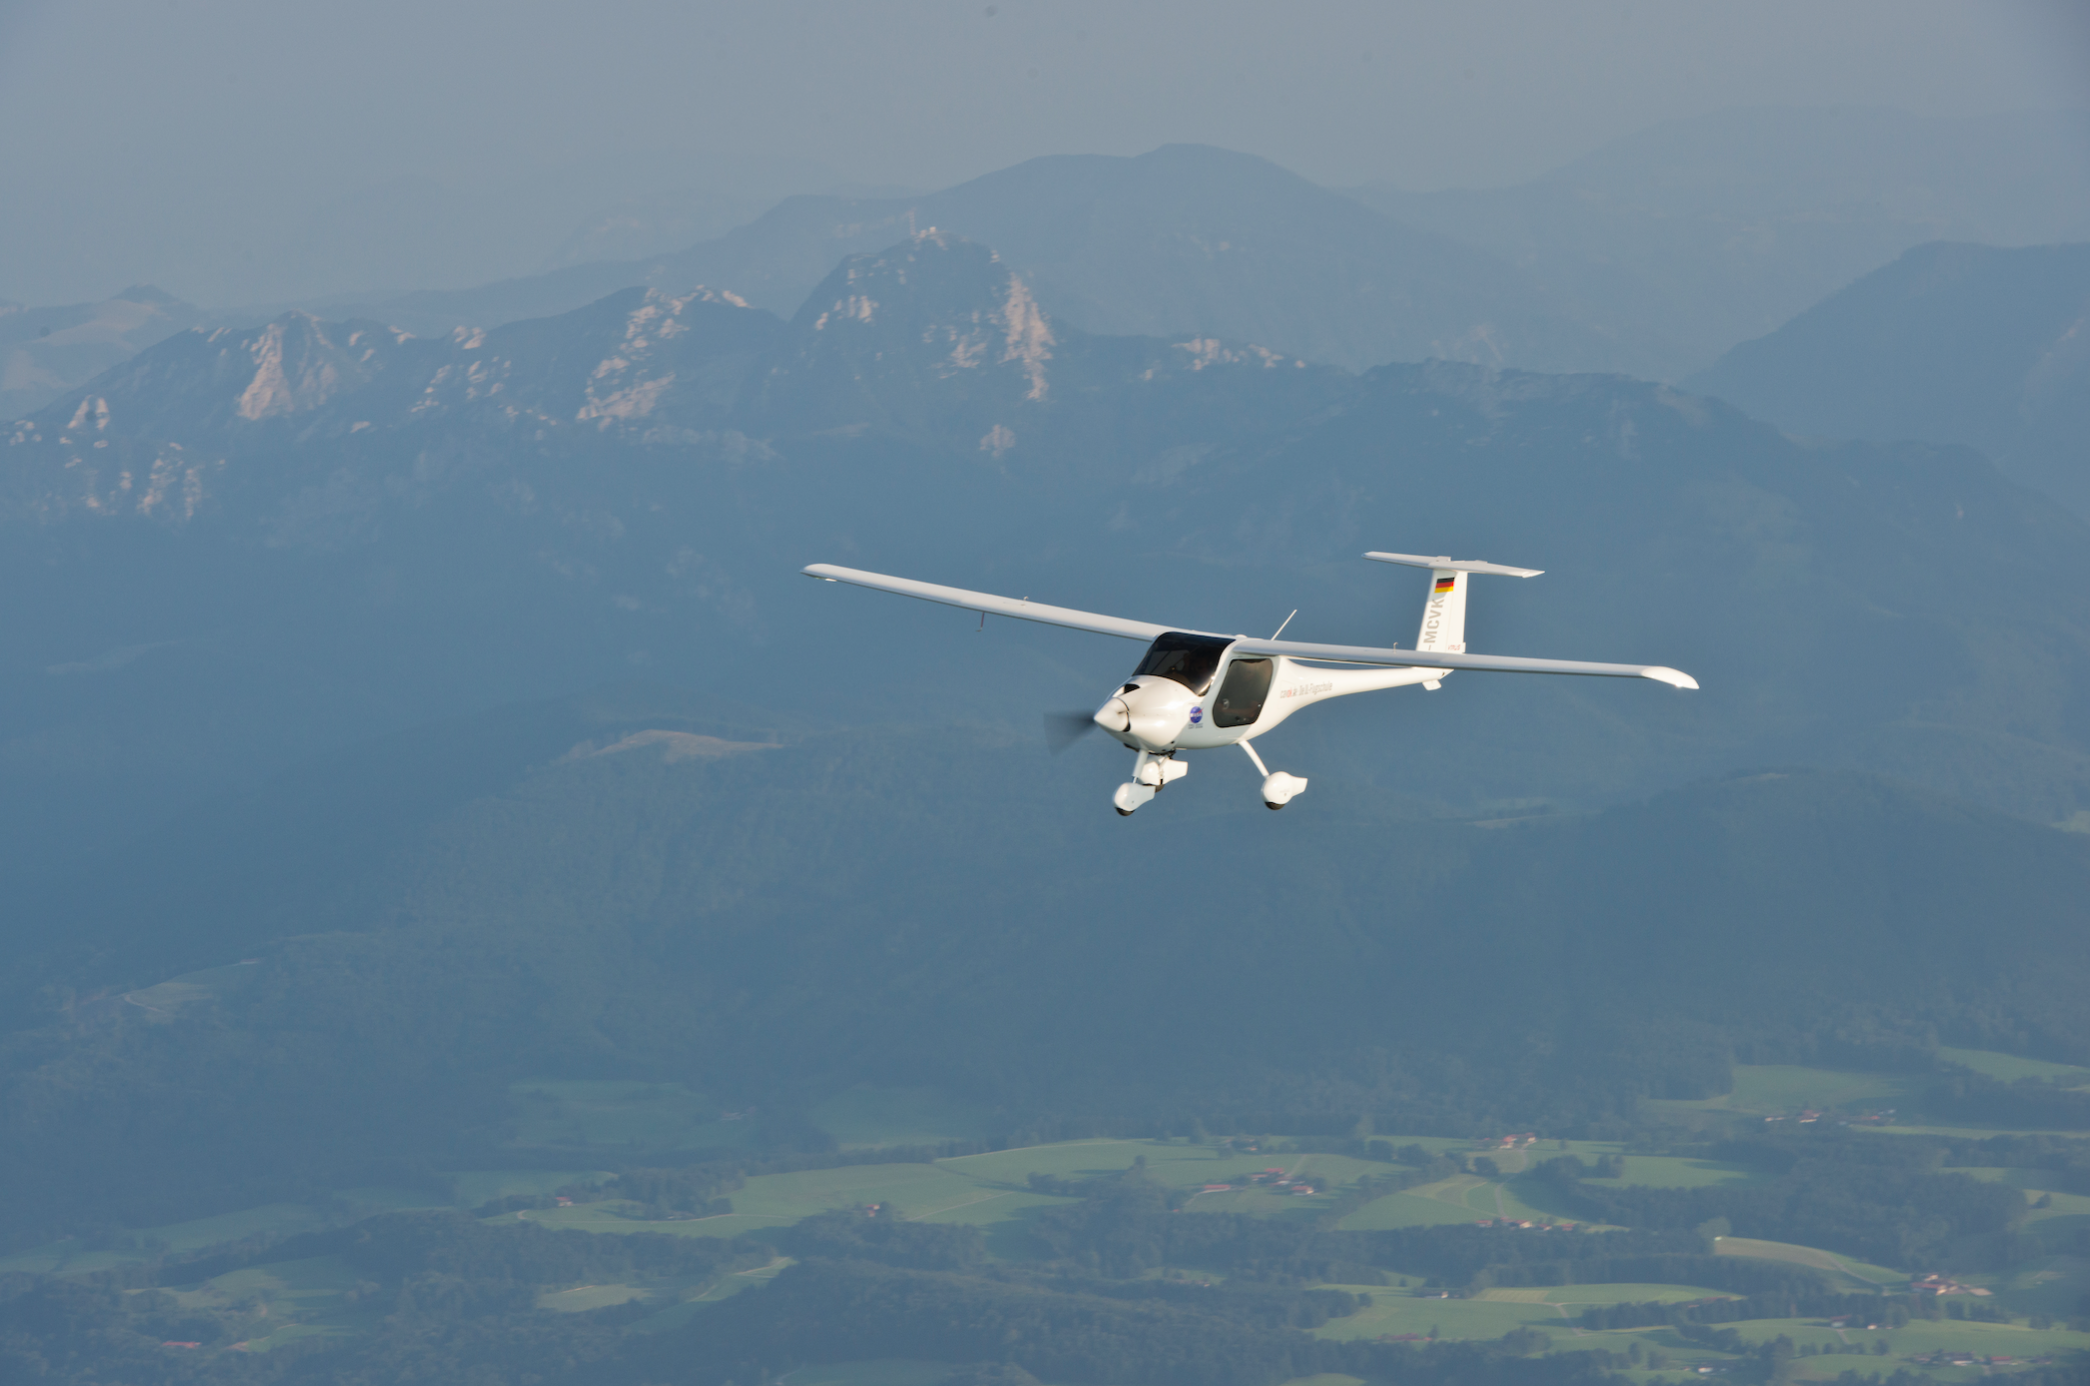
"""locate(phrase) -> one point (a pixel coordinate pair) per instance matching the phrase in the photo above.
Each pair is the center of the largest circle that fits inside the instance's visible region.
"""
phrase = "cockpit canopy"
(1190, 660)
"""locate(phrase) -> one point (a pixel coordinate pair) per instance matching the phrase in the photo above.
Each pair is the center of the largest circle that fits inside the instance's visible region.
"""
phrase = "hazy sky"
(173, 127)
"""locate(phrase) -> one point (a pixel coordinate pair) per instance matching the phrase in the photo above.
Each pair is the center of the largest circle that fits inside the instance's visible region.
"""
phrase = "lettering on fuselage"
(1306, 690)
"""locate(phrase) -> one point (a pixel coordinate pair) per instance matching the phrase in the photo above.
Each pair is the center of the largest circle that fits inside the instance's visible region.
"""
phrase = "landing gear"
(1279, 788)
(1152, 775)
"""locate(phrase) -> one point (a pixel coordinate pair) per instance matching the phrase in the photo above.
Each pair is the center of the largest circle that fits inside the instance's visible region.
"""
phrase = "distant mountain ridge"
(45, 352)
(1951, 343)
(934, 337)
(1648, 256)
(632, 487)
(1185, 241)
(1690, 236)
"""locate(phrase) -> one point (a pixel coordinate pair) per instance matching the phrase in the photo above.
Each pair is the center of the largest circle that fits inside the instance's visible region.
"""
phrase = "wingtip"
(1675, 678)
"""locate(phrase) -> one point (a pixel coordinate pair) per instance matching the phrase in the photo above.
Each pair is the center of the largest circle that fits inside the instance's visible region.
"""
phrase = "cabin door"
(1242, 694)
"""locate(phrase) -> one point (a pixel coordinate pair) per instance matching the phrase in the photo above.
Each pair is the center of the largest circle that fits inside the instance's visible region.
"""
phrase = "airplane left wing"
(1435, 659)
(1022, 609)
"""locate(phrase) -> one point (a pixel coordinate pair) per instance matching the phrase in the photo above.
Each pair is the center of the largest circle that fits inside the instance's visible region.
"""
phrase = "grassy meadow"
(2009, 1068)
(1854, 1274)
(991, 1191)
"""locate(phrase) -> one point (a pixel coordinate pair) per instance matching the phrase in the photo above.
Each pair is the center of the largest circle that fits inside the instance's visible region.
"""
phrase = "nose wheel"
(1152, 775)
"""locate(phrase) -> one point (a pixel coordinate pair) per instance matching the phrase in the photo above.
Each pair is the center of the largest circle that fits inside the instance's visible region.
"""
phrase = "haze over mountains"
(1649, 256)
(1951, 343)
(45, 352)
(1691, 236)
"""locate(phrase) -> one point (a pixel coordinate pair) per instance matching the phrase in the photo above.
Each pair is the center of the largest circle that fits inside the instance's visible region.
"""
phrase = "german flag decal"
(1445, 584)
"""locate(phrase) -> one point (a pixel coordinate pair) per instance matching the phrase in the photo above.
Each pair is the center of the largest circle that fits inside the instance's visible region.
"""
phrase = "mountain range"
(1186, 241)
(251, 545)
(48, 352)
(1951, 343)
(1686, 238)
(1650, 255)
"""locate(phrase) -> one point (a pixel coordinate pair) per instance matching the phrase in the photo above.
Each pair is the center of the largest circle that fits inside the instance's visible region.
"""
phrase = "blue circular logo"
(1197, 715)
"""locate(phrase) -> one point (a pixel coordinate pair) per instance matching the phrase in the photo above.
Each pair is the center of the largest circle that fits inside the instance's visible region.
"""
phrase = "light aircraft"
(1196, 690)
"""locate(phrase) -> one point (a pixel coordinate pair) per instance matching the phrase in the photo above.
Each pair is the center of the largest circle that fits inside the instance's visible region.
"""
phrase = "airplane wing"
(1023, 609)
(1432, 659)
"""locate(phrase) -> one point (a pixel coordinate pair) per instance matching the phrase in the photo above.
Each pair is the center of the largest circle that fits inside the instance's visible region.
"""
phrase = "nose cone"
(1147, 715)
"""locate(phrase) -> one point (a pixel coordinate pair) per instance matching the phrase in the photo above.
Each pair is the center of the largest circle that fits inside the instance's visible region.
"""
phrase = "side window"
(1242, 695)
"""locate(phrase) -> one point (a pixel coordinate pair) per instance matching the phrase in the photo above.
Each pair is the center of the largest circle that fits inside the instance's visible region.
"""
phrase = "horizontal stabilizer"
(1455, 565)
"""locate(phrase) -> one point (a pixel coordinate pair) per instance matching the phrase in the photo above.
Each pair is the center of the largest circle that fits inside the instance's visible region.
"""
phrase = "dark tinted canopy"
(1190, 660)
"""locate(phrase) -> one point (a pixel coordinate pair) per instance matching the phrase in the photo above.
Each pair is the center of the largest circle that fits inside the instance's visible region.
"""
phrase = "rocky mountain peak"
(935, 313)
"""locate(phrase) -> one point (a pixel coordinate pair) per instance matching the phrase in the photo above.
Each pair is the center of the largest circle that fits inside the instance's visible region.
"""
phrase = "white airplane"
(1196, 690)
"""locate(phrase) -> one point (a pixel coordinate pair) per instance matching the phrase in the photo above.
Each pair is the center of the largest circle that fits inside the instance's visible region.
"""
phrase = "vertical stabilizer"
(1444, 613)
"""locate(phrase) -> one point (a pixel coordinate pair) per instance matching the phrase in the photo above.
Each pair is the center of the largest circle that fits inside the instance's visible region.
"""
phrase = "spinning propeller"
(1063, 729)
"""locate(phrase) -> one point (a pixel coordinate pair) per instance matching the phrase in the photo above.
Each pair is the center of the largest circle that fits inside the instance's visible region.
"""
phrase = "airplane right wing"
(1023, 610)
(1439, 659)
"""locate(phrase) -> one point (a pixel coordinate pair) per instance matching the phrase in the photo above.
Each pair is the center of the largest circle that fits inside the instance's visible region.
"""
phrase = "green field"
(1856, 1274)
(1552, 1310)
(1179, 1165)
(1404, 1311)
(1676, 1172)
(992, 1191)
(1461, 1198)
(294, 1299)
(582, 1298)
(2009, 1067)
(1493, 1313)
(1411, 1209)
(1918, 1339)
(289, 1299)
(925, 1191)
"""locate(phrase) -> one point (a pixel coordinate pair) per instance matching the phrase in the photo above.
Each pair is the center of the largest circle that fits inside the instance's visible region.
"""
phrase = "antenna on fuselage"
(1287, 621)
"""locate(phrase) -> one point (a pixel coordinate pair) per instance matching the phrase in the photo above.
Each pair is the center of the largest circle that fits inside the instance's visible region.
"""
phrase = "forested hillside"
(772, 916)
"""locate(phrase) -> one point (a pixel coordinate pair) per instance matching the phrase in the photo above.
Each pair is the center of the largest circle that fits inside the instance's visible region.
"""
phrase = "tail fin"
(1444, 612)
